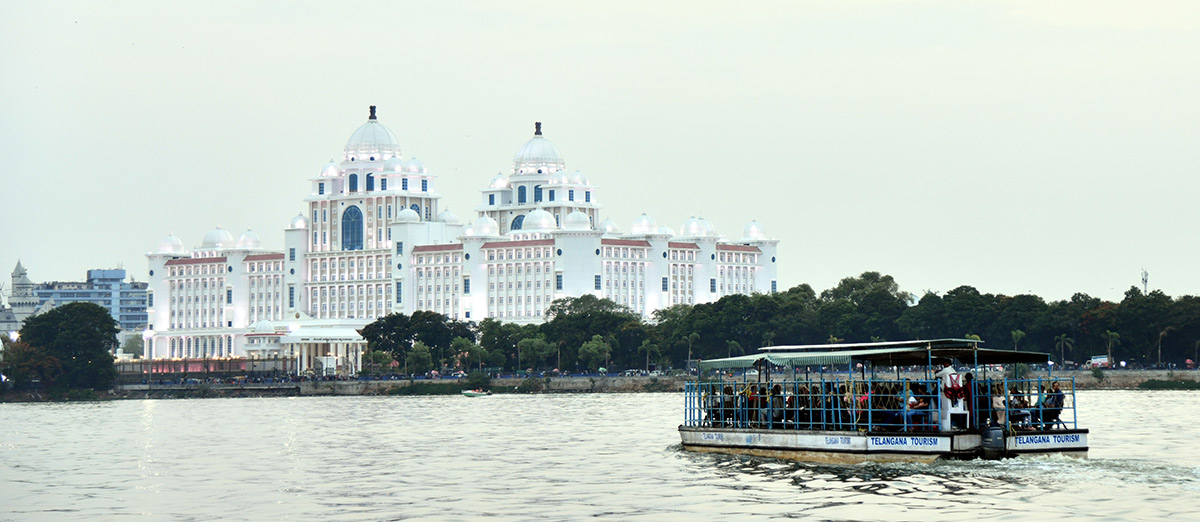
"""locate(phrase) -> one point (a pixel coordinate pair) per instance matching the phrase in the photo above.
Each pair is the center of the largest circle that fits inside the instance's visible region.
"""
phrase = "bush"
(1098, 374)
(1155, 384)
(478, 381)
(530, 385)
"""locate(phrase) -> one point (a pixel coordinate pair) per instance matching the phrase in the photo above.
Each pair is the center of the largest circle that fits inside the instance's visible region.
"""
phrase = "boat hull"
(850, 447)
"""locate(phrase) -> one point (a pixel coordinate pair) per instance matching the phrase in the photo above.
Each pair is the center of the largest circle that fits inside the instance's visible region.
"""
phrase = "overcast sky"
(1019, 147)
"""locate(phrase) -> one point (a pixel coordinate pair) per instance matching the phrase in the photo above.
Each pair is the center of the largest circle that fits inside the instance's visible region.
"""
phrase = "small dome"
(499, 182)
(249, 240)
(264, 327)
(299, 222)
(643, 225)
(609, 227)
(170, 245)
(331, 170)
(467, 231)
(577, 221)
(414, 166)
(537, 154)
(486, 226)
(753, 231)
(539, 219)
(697, 227)
(559, 178)
(577, 178)
(665, 231)
(372, 138)
(217, 238)
(394, 164)
(448, 217)
(408, 215)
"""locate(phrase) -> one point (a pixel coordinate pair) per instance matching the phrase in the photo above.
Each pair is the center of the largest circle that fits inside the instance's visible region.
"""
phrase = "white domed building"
(374, 239)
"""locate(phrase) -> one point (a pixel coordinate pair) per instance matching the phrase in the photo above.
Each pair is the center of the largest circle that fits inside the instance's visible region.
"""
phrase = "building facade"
(125, 301)
(374, 239)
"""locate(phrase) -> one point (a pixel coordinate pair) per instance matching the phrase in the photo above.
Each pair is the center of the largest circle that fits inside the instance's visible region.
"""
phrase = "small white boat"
(476, 393)
(822, 414)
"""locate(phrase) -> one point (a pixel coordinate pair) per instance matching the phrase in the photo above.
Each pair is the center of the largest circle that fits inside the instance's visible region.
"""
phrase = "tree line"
(590, 332)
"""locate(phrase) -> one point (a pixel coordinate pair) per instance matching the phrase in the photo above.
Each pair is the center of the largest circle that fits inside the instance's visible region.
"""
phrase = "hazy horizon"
(1017, 147)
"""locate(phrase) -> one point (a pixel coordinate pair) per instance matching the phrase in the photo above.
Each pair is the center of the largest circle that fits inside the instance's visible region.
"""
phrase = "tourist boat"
(850, 403)
(476, 393)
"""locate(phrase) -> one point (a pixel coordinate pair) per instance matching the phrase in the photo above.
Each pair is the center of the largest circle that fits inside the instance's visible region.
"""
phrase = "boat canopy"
(886, 353)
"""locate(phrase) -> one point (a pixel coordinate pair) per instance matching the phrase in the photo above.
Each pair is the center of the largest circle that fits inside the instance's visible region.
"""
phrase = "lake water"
(545, 457)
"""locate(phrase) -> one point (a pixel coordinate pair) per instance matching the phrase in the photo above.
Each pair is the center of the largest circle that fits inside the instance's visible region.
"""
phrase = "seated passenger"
(1053, 406)
(916, 407)
(999, 407)
(777, 406)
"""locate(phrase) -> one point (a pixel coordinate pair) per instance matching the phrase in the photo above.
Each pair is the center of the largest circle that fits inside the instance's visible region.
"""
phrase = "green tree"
(468, 351)
(1017, 335)
(732, 347)
(1111, 339)
(651, 351)
(419, 360)
(1062, 342)
(82, 336)
(594, 352)
(25, 365)
(391, 333)
(134, 346)
(377, 361)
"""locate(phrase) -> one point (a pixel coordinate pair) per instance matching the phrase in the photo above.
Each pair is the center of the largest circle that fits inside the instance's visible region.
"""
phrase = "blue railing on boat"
(846, 404)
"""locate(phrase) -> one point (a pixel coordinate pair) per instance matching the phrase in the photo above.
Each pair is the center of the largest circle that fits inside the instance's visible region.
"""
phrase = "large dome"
(697, 227)
(372, 139)
(643, 225)
(539, 219)
(249, 240)
(537, 154)
(217, 238)
(170, 245)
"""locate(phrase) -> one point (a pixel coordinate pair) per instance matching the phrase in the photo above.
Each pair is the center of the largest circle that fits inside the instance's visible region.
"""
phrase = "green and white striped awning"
(966, 351)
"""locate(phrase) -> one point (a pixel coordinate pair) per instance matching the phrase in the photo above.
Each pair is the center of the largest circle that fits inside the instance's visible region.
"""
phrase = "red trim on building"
(625, 242)
(739, 248)
(514, 244)
(673, 244)
(195, 261)
(436, 248)
(265, 257)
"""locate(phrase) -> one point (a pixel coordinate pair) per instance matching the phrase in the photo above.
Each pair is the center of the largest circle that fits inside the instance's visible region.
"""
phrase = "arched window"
(353, 183)
(537, 193)
(521, 194)
(517, 222)
(370, 182)
(352, 229)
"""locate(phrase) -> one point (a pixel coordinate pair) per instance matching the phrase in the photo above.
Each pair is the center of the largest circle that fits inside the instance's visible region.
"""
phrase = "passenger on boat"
(999, 409)
(1052, 407)
(728, 406)
(917, 407)
(777, 406)
(1019, 413)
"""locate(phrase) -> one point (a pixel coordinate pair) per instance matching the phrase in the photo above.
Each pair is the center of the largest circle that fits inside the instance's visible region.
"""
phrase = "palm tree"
(1062, 342)
(1162, 334)
(1017, 335)
(768, 338)
(1111, 338)
(736, 346)
(691, 339)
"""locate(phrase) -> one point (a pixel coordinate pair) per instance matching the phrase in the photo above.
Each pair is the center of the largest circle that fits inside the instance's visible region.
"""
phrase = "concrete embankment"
(1084, 380)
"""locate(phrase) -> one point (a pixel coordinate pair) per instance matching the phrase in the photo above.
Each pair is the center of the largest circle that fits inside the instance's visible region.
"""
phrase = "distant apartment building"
(125, 301)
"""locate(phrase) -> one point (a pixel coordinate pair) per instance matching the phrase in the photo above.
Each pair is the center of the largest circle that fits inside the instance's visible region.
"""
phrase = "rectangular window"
(537, 193)
(597, 282)
(466, 285)
(712, 285)
(491, 199)
(383, 184)
(398, 294)
(664, 284)
(424, 185)
(571, 195)
(773, 290)
(149, 299)
(291, 254)
(229, 296)
(399, 248)
(587, 196)
(314, 238)
(404, 184)
(558, 281)
(320, 188)
(551, 194)
(291, 297)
